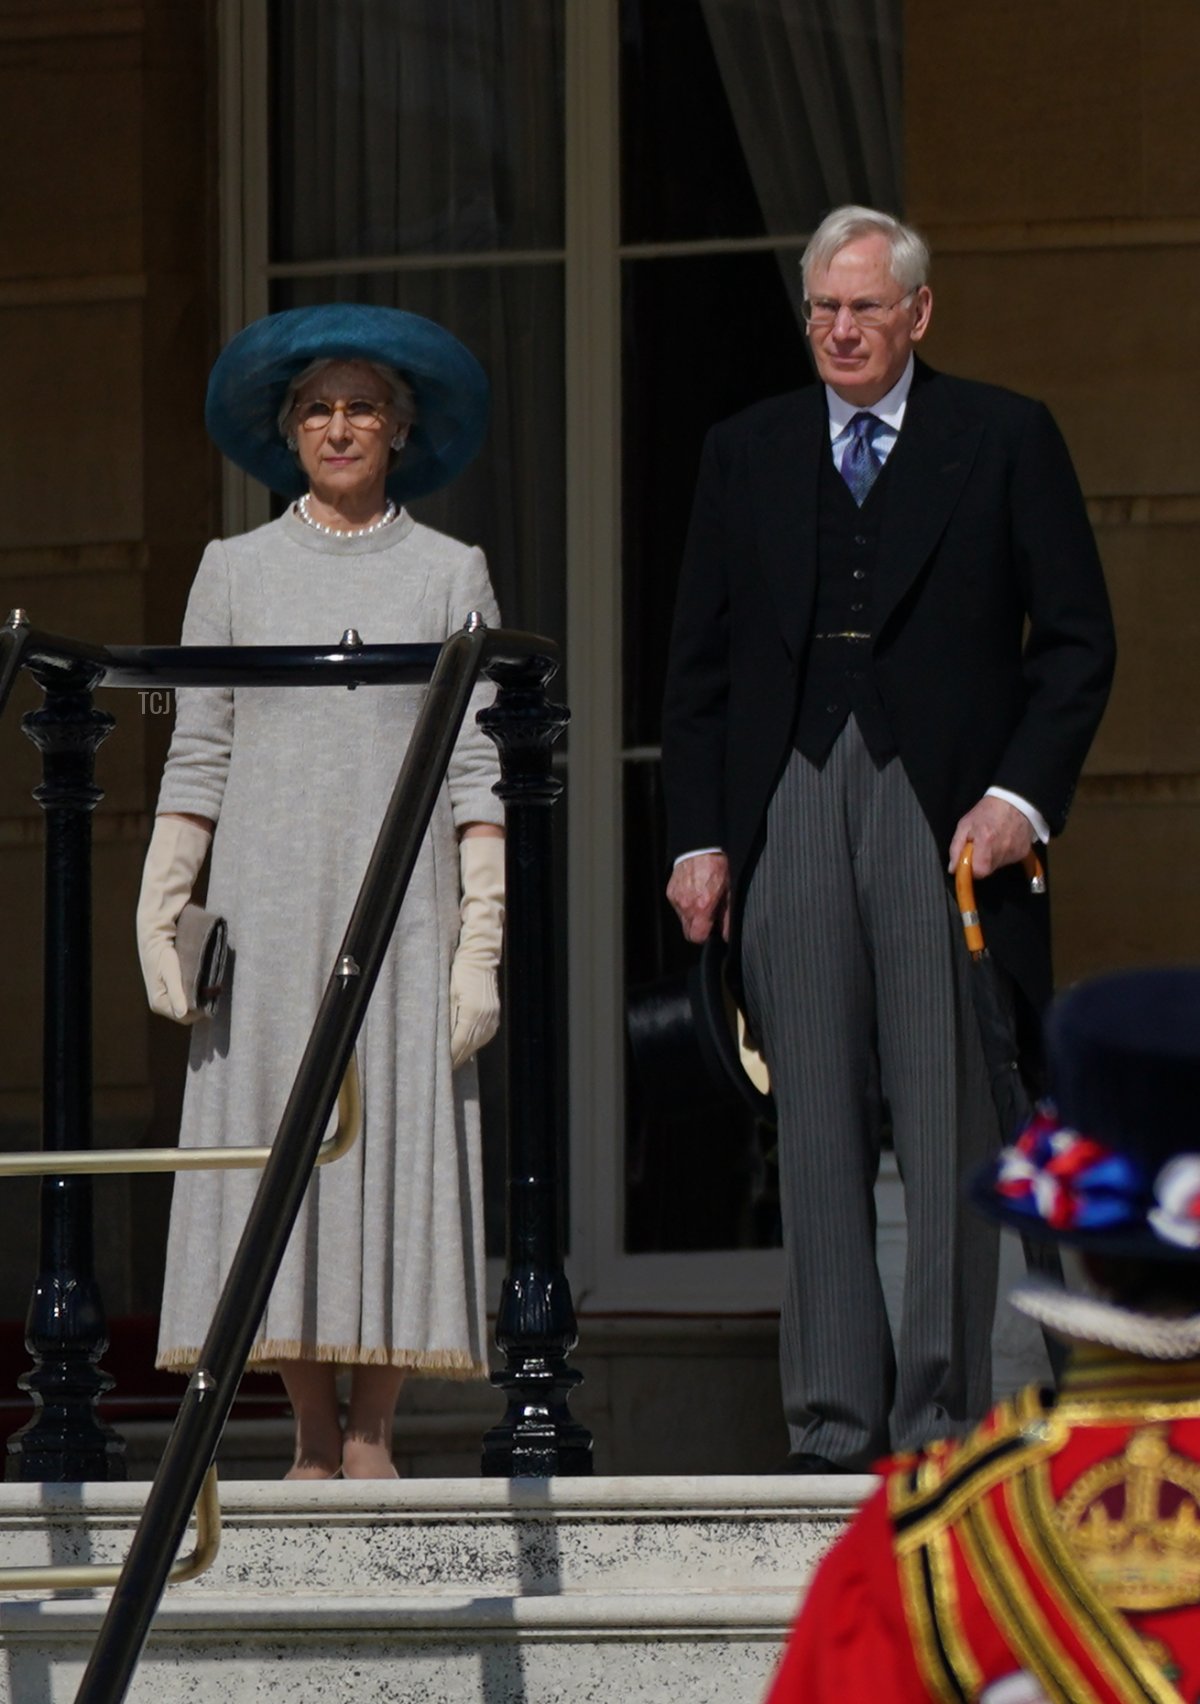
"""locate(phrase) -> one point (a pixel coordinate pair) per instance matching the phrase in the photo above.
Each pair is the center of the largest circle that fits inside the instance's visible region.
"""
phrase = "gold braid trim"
(1127, 1675)
(945, 1493)
(1094, 1367)
(1110, 1385)
(931, 1655)
(1124, 1410)
(1112, 1642)
(924, 1502)
(1024, 1431)
(1017, 1617)
(948, 1611)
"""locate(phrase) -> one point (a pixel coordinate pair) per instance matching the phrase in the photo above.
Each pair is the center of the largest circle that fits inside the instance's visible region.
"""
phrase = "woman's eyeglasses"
(360, 412)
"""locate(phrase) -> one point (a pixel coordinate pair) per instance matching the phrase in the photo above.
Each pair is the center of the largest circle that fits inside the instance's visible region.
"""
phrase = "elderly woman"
(347, 410)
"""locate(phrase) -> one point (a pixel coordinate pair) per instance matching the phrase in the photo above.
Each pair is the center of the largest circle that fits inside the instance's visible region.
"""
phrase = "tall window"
(606, 200)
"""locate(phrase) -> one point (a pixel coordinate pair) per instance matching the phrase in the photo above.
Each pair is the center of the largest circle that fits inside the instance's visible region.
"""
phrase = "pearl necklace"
(387, 517)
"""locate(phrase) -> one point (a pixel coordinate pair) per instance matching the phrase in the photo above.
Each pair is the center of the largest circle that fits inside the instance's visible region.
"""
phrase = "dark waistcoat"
(838, 679)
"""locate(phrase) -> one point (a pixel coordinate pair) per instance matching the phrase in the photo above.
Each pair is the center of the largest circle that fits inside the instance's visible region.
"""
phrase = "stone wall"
(108, 490)
(1053, 158)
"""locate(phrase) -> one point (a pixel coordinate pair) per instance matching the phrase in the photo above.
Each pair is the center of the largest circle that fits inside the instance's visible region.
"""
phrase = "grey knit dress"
(386, 1263)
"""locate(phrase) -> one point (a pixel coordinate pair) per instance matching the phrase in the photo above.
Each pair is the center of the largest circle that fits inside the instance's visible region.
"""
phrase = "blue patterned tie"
(860, 463)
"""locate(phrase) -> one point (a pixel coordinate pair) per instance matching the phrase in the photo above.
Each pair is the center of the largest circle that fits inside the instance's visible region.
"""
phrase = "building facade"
(607, 200)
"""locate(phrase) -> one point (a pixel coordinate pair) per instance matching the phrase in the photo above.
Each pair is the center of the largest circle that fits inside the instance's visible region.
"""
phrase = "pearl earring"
(291, 442)
(399, 441)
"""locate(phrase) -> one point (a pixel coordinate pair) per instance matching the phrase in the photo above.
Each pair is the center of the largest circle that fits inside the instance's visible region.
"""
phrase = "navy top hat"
(1113, 1162)
(252, 373)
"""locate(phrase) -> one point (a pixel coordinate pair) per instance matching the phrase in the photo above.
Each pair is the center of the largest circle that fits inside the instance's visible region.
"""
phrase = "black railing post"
(65, 1331)
(535, 1324)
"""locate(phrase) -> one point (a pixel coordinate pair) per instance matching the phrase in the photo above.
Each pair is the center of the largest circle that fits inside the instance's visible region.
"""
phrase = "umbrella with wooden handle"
(997, 1033)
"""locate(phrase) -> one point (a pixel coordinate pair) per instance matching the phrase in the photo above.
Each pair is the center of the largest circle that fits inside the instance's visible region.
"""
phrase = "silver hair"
(910, 252)
(400, 391)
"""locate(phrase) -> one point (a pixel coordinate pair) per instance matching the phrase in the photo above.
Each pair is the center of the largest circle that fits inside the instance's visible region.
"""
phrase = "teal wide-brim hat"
(252, 373)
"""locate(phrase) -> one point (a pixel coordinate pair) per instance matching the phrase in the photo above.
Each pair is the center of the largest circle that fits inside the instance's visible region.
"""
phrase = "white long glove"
(474, 991)
(176, 852)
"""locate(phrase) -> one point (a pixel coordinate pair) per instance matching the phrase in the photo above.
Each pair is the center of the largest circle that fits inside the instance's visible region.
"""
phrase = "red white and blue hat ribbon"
(1072, 1182)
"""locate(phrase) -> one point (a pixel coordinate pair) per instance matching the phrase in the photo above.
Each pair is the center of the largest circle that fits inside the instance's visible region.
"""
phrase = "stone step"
(462, 1591)
(524, 1537)
(685, 1648)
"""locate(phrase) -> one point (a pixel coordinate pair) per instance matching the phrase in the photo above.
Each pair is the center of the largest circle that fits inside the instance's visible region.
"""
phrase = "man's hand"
(699, 894)
(1002, 835)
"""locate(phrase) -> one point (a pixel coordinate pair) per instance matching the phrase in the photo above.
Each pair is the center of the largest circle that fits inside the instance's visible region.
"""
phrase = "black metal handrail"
(536, 1326)
(61, 662)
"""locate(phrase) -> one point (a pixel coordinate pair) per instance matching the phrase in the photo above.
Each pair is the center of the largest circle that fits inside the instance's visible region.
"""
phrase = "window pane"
(703, 337)
(683, 173)
(699, 1172)
(415, 126)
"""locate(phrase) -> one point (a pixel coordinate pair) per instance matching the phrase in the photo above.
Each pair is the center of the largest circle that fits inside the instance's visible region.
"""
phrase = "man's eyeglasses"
(821, 311)
(360, 411)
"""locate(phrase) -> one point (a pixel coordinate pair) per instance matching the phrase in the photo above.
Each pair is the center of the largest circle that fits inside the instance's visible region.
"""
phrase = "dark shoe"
(803, 1461)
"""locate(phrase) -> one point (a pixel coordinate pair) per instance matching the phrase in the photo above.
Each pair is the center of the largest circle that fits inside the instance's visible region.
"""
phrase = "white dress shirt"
(889, 411)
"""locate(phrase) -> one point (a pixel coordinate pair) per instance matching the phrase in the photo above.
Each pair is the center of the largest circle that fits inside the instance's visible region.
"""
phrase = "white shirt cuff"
(1032, 815)
(700, 852)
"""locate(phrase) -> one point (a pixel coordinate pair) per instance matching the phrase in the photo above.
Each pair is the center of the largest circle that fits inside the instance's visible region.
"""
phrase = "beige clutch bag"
(202, 943)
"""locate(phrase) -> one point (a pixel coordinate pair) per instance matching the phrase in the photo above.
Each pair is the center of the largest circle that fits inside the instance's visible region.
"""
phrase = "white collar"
(889, 408)
(1082, 1318)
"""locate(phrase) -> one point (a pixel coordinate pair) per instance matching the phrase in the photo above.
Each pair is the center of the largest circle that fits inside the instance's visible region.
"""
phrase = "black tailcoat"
(993, 646)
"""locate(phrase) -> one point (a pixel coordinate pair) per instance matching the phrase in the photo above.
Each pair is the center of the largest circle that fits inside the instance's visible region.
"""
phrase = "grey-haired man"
(892, 636)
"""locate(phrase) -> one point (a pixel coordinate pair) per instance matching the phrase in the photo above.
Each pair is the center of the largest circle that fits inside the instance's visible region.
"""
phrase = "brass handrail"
(94, 1161)
(87, 1575)
(83, 1576)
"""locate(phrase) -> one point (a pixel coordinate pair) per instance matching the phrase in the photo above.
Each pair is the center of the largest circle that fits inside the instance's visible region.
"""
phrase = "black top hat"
(684, 1035)
(1112, 1164)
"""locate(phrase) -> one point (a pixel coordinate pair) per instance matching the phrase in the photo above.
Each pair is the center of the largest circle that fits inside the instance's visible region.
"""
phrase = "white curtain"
(815, 91)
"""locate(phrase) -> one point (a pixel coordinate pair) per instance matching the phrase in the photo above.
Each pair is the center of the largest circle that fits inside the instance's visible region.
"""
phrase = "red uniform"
(1060, 1539)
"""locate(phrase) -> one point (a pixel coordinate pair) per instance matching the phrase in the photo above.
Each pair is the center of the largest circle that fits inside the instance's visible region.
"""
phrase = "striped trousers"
(857, 984)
